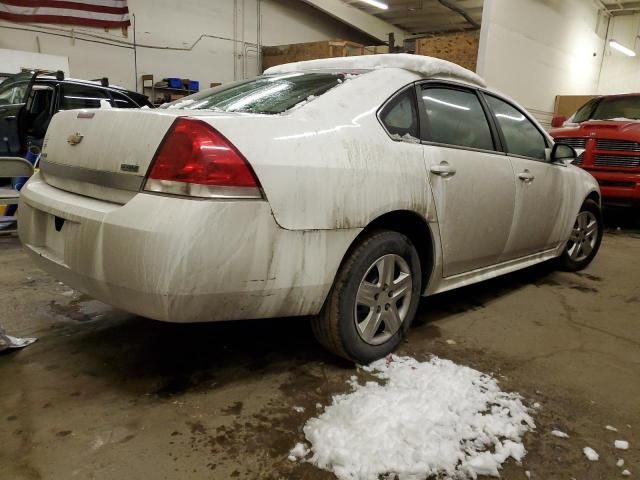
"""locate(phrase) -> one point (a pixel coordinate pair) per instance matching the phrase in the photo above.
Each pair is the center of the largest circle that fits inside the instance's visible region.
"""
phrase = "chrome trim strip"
(120, 181)
(201, 191)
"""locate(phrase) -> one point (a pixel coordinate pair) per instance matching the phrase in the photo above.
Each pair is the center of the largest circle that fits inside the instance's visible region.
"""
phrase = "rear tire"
(373, 300)
(586, 236)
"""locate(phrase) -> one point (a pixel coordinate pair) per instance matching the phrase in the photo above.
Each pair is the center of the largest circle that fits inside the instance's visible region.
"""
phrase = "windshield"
(14, 89)
(270, 94)
(611, 108)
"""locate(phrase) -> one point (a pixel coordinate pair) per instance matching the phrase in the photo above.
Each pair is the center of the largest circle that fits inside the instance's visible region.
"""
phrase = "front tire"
(373, 300)
(585, 239)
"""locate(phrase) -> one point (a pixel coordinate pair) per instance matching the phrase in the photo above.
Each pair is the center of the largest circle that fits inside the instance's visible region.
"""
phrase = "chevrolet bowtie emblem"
(74, 139)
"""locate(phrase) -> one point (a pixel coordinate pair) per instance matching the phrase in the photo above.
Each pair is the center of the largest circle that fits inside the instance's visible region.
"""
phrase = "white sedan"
(342, 188)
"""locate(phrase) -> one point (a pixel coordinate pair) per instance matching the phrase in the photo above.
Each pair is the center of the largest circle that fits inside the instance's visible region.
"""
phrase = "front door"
(541, 213)
(472, 183)
(14, 92)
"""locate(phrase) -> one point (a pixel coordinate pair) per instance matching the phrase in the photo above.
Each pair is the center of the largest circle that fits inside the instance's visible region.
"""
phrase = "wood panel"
(297, 52)
(460, 48)
(566, 105)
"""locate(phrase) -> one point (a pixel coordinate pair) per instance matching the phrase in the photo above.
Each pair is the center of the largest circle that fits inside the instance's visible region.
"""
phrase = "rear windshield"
(270, 94)
(608, 109)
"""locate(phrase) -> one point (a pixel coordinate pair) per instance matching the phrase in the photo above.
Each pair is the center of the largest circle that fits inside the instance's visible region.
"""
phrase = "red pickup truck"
(608, 129)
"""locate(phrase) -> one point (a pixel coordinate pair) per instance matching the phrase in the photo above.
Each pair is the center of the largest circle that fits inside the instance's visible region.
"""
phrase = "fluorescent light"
(375, 3)
(621, 48)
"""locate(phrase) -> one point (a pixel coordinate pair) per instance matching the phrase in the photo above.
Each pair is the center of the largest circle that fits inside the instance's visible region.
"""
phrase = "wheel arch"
(411, 224)
(595, 196)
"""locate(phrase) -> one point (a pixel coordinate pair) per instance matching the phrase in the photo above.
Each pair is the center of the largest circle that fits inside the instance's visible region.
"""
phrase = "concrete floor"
(104, 395)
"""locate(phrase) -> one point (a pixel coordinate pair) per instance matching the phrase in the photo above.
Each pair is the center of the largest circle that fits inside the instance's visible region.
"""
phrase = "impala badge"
(74, 139)
(127, 167)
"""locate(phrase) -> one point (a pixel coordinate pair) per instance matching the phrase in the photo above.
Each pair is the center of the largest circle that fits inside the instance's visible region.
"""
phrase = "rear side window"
(455, 117)
(270, 94)
(400, 116)
(120, 101)
(81, 96)
(520, 134)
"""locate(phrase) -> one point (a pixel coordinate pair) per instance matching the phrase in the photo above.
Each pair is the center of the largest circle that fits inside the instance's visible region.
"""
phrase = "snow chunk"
(423, 419)
(298, 409)
(559, 434)
(420, 64)
(299, 451)
(591, 454)
(621, 444)
(626, 473)
(527, 473)
(620, 462)
(405, 138)
(611, 429)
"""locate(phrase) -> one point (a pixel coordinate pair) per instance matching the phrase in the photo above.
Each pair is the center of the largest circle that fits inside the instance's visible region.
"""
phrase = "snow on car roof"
(420, 64)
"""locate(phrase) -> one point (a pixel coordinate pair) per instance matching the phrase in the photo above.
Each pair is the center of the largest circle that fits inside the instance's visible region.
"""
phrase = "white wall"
(167, 23)
(13, 61)
(620, 73)
(533, 50)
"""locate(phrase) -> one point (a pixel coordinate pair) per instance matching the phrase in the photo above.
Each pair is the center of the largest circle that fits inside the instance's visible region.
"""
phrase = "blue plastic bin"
(174, 82)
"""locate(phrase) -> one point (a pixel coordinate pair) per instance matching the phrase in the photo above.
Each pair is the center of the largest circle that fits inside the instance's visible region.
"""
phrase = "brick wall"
(460, 48)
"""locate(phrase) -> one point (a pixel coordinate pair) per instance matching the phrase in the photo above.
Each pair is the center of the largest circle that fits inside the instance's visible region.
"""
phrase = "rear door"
(471, 180)
(542, 187)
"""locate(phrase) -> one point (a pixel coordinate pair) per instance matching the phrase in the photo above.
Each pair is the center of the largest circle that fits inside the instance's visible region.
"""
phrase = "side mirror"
(563, 153)
(558, 121)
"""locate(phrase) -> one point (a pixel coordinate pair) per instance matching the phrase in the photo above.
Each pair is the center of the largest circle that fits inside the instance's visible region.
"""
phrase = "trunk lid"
(102, 154)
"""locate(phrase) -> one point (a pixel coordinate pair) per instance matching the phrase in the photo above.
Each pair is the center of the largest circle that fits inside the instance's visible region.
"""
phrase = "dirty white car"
(341, 188)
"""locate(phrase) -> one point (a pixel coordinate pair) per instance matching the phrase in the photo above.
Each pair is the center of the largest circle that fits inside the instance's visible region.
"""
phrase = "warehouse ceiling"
(622, 7)
(427, 16)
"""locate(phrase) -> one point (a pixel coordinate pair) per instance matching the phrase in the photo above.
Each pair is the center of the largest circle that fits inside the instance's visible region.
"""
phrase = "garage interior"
(105, 394)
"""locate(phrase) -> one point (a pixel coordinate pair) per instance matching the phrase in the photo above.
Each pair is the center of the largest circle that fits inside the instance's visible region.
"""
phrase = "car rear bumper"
(180, 260)
(618, 187)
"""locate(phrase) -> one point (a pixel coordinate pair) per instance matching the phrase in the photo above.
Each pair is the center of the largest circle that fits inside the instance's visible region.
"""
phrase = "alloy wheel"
(583, 236)
(383, 299)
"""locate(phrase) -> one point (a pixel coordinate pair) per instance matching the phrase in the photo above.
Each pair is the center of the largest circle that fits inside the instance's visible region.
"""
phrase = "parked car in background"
(608, 129)
(342, 188)
(29, 100)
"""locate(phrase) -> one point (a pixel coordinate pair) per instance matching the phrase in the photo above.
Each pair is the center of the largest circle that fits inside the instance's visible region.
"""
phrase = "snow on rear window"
(269, 94)
(417, 420)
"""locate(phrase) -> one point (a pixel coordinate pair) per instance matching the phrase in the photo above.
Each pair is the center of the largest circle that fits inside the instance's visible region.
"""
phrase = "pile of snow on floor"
(423, 419)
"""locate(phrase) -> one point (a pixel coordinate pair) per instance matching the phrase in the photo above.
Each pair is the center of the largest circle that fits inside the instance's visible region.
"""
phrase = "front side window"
(400, 116)
(13, 92)
(455, 117)
(268, 94)
(520, 134)
(81, 96)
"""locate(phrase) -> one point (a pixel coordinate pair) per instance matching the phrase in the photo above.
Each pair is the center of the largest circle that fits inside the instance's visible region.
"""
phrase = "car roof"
(619, 95)
(427, 67)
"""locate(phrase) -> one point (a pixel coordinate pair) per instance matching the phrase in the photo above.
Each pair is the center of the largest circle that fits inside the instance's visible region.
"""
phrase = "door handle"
(526, 176)
(443, 169)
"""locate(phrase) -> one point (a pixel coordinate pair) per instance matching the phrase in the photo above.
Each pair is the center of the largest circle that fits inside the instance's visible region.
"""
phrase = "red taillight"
(196, 160)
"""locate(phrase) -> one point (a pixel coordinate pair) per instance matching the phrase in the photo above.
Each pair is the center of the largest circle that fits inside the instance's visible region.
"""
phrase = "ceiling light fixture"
(621, 48)
(375, 3)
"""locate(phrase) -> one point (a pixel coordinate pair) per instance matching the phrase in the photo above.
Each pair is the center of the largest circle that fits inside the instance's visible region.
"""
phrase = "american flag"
(90, 13)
